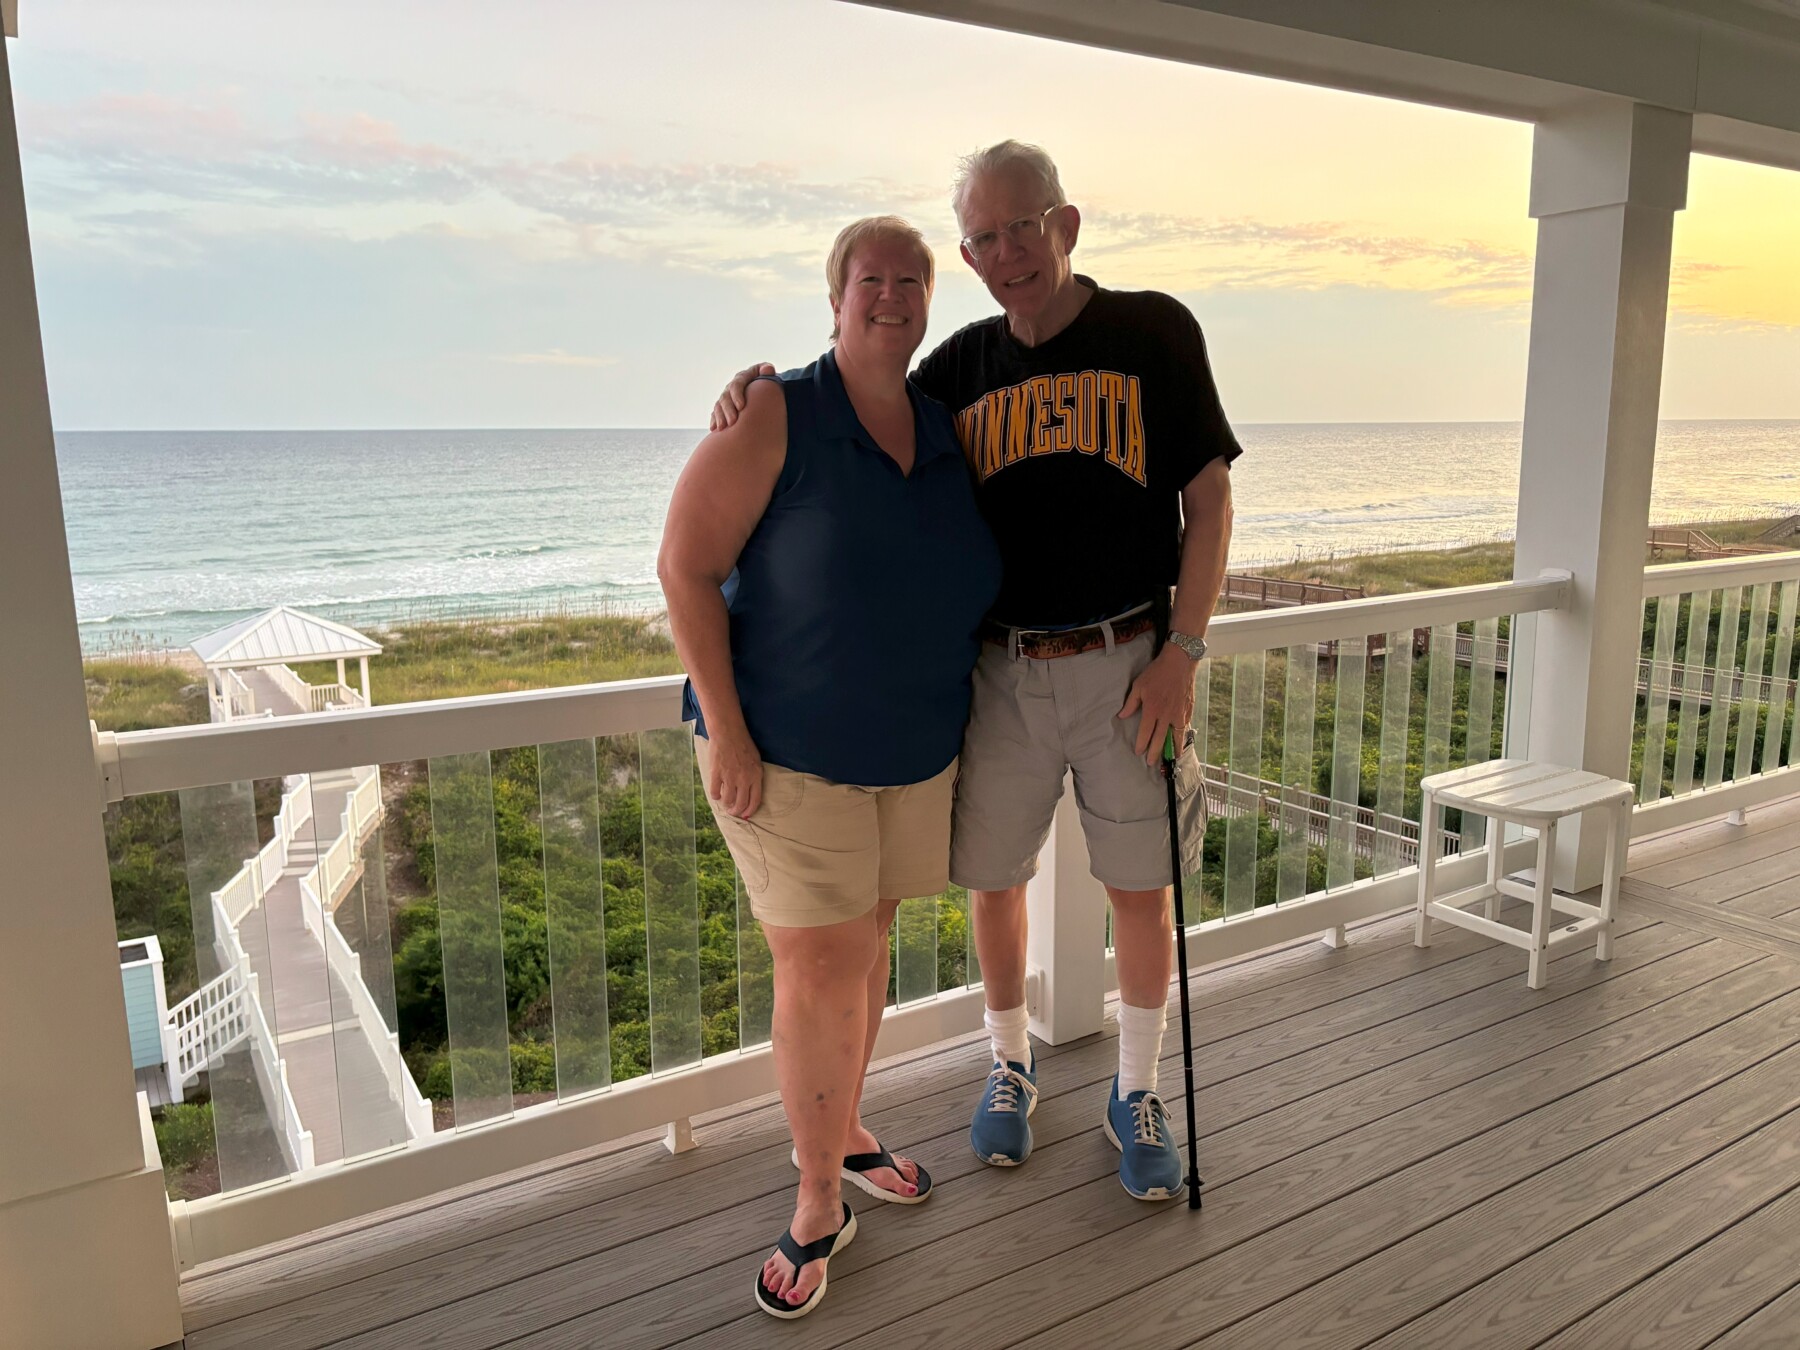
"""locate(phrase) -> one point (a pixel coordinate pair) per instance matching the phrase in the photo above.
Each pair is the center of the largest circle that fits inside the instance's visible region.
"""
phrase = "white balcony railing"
(1318, 720)
(1717, 726)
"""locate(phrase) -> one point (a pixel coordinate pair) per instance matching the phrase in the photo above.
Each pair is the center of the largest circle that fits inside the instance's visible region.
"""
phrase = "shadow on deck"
(1400, 1147)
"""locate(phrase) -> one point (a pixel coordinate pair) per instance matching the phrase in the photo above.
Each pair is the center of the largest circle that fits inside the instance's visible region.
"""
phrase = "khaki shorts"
(815, 852)
(1033, 720)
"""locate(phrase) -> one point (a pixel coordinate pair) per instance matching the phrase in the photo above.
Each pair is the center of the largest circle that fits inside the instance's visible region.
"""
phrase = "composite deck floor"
(1401, 1148)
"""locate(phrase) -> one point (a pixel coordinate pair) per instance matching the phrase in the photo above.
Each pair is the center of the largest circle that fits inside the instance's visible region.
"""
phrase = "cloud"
(200, 153)
(100, 164)
(588, 190)
(556, 356)
(209, 151)
(1229, 253)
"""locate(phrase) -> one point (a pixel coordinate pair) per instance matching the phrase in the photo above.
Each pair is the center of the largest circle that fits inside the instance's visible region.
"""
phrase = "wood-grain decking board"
(1400, 1147)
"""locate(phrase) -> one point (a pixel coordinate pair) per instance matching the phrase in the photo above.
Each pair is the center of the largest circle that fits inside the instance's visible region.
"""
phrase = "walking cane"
(1187, 1030)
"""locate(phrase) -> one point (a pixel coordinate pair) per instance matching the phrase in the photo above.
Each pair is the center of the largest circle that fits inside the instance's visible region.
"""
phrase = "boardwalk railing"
(1229, 794)
(326, 697)
(1261, 592)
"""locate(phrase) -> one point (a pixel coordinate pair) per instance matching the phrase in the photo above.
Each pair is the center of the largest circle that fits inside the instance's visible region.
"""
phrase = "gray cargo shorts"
(1031, 720)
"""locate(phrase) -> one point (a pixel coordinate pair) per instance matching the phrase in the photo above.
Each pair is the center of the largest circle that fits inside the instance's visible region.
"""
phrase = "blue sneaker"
(1001, 1132)
(1149, 1162)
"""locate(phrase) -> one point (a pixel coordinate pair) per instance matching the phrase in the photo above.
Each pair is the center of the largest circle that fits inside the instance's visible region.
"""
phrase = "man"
(1101, 454)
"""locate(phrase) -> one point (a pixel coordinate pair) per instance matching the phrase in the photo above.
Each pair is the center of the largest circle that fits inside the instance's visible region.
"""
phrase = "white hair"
(1033, 159)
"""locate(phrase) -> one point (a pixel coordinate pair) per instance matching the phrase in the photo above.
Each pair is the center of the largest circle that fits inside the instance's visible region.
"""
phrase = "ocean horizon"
(173, 533)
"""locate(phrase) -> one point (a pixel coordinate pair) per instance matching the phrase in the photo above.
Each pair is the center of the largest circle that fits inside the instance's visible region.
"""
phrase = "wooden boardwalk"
(1401, 1148)
(339, 1088)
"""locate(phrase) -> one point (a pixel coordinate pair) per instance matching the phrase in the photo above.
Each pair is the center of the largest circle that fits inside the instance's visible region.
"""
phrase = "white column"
(1065, 951)
(340, 672)
(85, 1251)
(364, 670)
(1606, 180)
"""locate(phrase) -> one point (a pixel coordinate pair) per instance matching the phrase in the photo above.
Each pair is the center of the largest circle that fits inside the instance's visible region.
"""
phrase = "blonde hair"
(859, 232)
(1034, 159)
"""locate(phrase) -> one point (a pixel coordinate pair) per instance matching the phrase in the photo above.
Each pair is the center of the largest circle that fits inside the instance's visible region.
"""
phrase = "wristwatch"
(1195, 647)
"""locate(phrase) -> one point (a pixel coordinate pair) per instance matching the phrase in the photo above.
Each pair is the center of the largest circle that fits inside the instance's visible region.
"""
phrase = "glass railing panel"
(1243, 795)
(1753, 699)
(1783, 707)
(671, 903)
(366, 919)
(1202, 720)
(228, 1026)
(1719, 686)
(756, 975)
(575, 915)
(963, 906)
(339, 1074)
(1301, 823)
(1390, 791)
(1687, 736)
(916, 949)
(1478, 729)
(468, 893)
(1656, 711)
(1440, 695)
(620, 772)
(1351, 663)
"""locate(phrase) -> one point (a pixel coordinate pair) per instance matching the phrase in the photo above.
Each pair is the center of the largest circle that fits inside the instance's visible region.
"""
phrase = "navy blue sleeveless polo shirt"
(857, 601)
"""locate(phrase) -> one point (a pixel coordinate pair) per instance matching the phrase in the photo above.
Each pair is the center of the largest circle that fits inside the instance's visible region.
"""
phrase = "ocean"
(173, 533)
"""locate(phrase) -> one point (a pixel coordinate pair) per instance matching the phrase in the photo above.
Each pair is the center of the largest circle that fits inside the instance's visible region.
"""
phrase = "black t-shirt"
(1080, 448)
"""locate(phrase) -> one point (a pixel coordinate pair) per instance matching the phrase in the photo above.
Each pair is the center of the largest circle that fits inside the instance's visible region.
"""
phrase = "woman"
(826, 572)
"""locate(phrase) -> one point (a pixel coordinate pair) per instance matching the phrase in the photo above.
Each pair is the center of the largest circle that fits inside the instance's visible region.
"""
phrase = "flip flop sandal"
(822, 1251)
(857, 1166)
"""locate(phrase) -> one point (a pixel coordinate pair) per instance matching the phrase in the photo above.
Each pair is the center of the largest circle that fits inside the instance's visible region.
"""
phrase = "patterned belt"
(1035, 644)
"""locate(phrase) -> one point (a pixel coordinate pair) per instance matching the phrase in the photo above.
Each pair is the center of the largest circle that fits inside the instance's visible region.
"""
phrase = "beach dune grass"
(139, 694)
(455, 658)
(1401, 570)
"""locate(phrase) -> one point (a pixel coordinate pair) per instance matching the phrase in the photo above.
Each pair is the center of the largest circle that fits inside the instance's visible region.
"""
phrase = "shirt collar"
(837, 419)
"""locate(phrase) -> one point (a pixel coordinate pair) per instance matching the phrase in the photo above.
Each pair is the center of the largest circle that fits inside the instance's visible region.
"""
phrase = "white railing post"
(1065, 954)
(1607, 178)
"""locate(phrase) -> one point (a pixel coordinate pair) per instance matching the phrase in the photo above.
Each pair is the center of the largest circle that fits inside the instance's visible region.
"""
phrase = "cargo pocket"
(744, 841)
(1190, 809)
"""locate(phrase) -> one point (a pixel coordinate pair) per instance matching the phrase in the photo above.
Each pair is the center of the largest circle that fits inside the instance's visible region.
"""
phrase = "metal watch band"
(1195, 647)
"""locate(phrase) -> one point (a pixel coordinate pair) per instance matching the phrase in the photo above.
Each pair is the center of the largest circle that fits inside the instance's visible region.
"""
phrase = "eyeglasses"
(1024, 230)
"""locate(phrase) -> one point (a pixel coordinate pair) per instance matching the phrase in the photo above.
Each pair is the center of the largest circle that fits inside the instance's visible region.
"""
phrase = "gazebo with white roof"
(271, 644)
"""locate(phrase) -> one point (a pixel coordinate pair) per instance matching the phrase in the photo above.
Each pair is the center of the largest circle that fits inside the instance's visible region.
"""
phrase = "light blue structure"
(146, 1001)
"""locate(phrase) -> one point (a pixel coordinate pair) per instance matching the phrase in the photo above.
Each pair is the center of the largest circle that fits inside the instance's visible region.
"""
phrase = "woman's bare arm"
(721, 495)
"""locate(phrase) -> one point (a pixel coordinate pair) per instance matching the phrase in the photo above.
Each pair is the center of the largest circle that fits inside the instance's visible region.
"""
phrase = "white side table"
(1535, 796)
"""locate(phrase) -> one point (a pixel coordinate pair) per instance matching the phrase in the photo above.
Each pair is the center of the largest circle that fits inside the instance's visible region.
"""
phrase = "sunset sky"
(573, 214)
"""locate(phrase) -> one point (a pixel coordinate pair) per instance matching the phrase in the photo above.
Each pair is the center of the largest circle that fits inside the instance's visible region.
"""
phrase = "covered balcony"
(1401, 1146)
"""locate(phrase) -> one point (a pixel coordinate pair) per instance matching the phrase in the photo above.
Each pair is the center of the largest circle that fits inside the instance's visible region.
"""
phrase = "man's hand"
(734, 783)
(736, 394)
(1165, 694)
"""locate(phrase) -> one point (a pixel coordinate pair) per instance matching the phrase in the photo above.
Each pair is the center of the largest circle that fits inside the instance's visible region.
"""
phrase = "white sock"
(1006, 1029)
(1140, 1046)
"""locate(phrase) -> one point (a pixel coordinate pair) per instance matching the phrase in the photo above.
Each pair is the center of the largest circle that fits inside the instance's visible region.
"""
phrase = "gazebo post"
(367, 701)
(340, 672)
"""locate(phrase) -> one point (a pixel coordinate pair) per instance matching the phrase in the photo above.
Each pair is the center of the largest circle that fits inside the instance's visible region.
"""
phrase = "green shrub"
(533, 1067)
